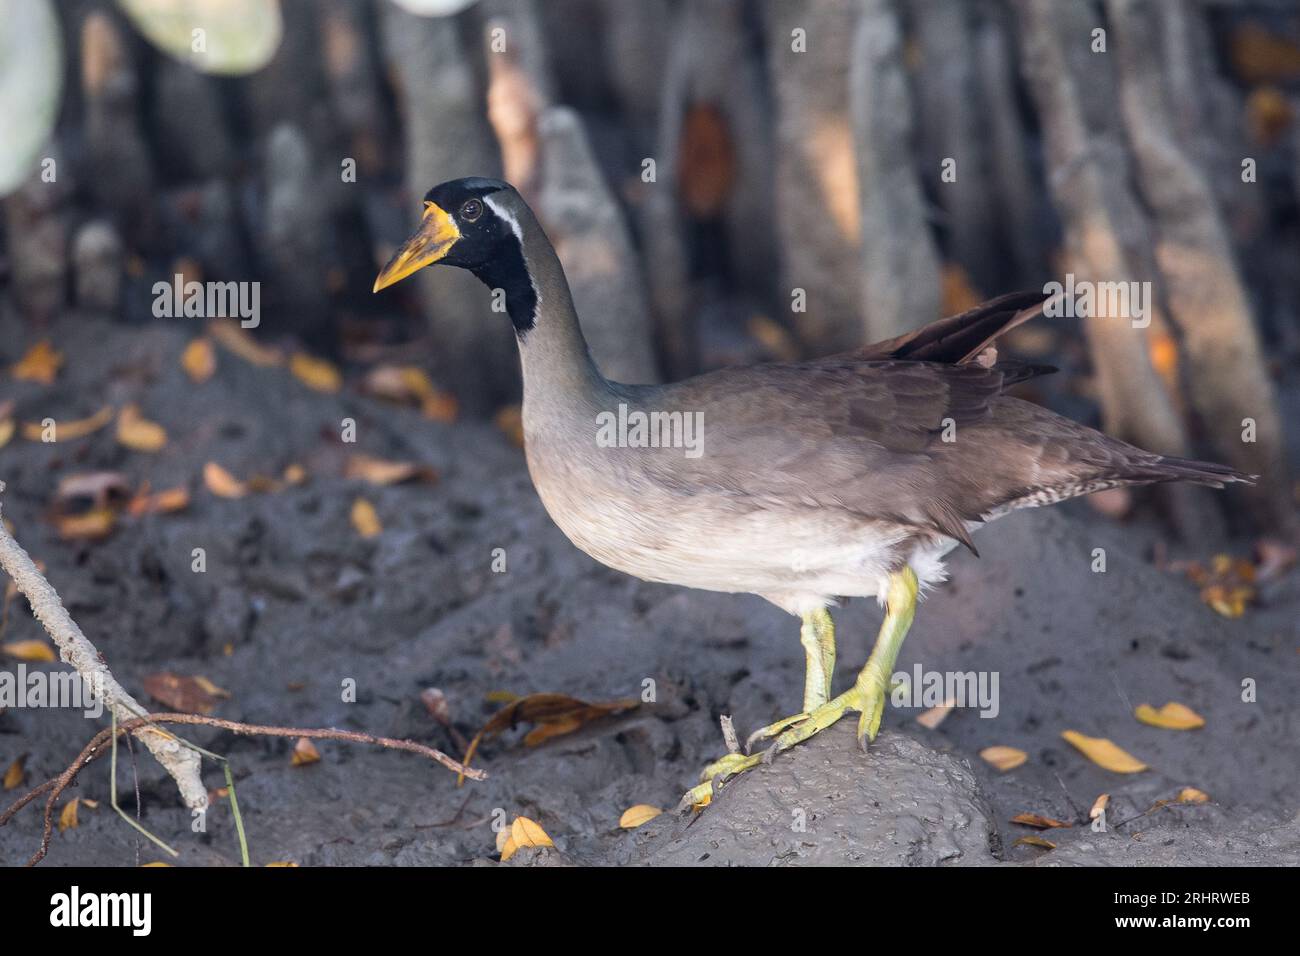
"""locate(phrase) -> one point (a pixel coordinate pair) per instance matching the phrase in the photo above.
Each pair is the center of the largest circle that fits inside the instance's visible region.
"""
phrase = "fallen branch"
(74, 648)
(56, 786)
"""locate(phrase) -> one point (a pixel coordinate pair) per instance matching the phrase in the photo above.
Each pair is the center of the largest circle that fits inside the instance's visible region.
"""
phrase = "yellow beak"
(435, 237)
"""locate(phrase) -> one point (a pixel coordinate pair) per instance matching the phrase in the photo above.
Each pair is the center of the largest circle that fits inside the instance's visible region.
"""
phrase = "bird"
(806, 483)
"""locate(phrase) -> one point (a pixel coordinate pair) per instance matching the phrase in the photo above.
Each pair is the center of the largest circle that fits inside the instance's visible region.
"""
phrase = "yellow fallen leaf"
(282, 863)
(162, 502)
(1192, 795)
(1104, 753)
(231, 336)
(638, 815)
(92, 525)
(524, 832)
(199, 360)
(935, 716)
(155, 863)
(1099, 806)
(294, 474)
(774, 337)
(365, 519)
(305, 752)
(41, 364)
(440, 407)
(137, 433)
(315, 373)
(33, 650)
(503, 839)
(6, 430)
(1171, 716)
(16, 772)
(222, 483)
(68, 815)
(1004, 758)
(67, 431)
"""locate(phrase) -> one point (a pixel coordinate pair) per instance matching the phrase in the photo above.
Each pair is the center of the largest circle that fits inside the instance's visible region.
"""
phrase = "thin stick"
(59, 784)
(75, 649)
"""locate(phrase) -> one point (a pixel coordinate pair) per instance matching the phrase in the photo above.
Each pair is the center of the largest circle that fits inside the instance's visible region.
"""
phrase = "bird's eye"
(471, 210)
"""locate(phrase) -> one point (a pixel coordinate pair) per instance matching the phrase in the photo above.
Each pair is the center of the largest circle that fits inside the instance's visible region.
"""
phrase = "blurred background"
(725, 180)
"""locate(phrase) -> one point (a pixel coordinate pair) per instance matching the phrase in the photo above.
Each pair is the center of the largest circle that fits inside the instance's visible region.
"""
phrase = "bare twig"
(74, 648)
(59, 784)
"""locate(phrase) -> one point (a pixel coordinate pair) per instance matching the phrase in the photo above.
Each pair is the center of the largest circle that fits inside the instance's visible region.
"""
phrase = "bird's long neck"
(558, 370)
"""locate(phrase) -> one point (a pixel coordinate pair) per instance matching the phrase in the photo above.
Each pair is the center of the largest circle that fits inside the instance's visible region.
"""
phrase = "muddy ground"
(304, 603)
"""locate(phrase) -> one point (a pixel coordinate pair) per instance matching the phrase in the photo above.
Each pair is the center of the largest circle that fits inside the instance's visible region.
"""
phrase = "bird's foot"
(867, 696)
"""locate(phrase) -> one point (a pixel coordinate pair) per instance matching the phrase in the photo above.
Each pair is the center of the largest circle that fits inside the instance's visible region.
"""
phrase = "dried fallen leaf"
(568, 713)
(192, 695)
(68, 431)
(7, 428)
(304, 753)
(16, 772)
(638, 815)
(282, 863)
(1099, 806)
(315, 373)
(41, 364)
(92, 525)
(1104, 753)
(774, 337)
(199, 360)
(1171, 716)
(294, 474)
(162, 502)
(1192, 795)
(231, 336)
(1004, 758)
(380, 471)
(1035, 841)
(440, 407)
(32, 650)
(137, 433)
(68, 815)
(1041, 822)
(365, 519)
(222, 483)
(935, 716)
(524, 832)
(510, 420)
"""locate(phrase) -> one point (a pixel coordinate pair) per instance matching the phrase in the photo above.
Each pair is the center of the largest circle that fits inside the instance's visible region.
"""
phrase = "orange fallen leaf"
(282, 863)
(199, 360)
(222, 483)
(1004, 758)
(32, 651)
(68, 815)
(774, 337)
(234, 338)
(1099, 806)
(1192, 795)
(162, 502)
(1171, 716)
(638, 815)
(380, 471)
(137, 433)
(365, 519)
(294, 474)
(68, 431)
(7, 428)
(935, 716)
(192, 695)
(511, 421)
(440, 407)
(41, 364)
(304, 753)
(315, 373)
(1104, 753)
(1041, 822)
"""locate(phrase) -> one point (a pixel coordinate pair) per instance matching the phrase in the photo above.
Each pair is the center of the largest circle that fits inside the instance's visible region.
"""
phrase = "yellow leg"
(818, 638)
(867, 696)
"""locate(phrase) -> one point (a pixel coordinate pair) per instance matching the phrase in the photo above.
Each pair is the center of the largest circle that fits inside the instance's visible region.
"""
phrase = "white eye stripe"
(508, 216)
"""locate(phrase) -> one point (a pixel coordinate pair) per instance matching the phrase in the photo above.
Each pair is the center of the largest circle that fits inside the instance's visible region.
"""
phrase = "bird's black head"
(474, 224)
